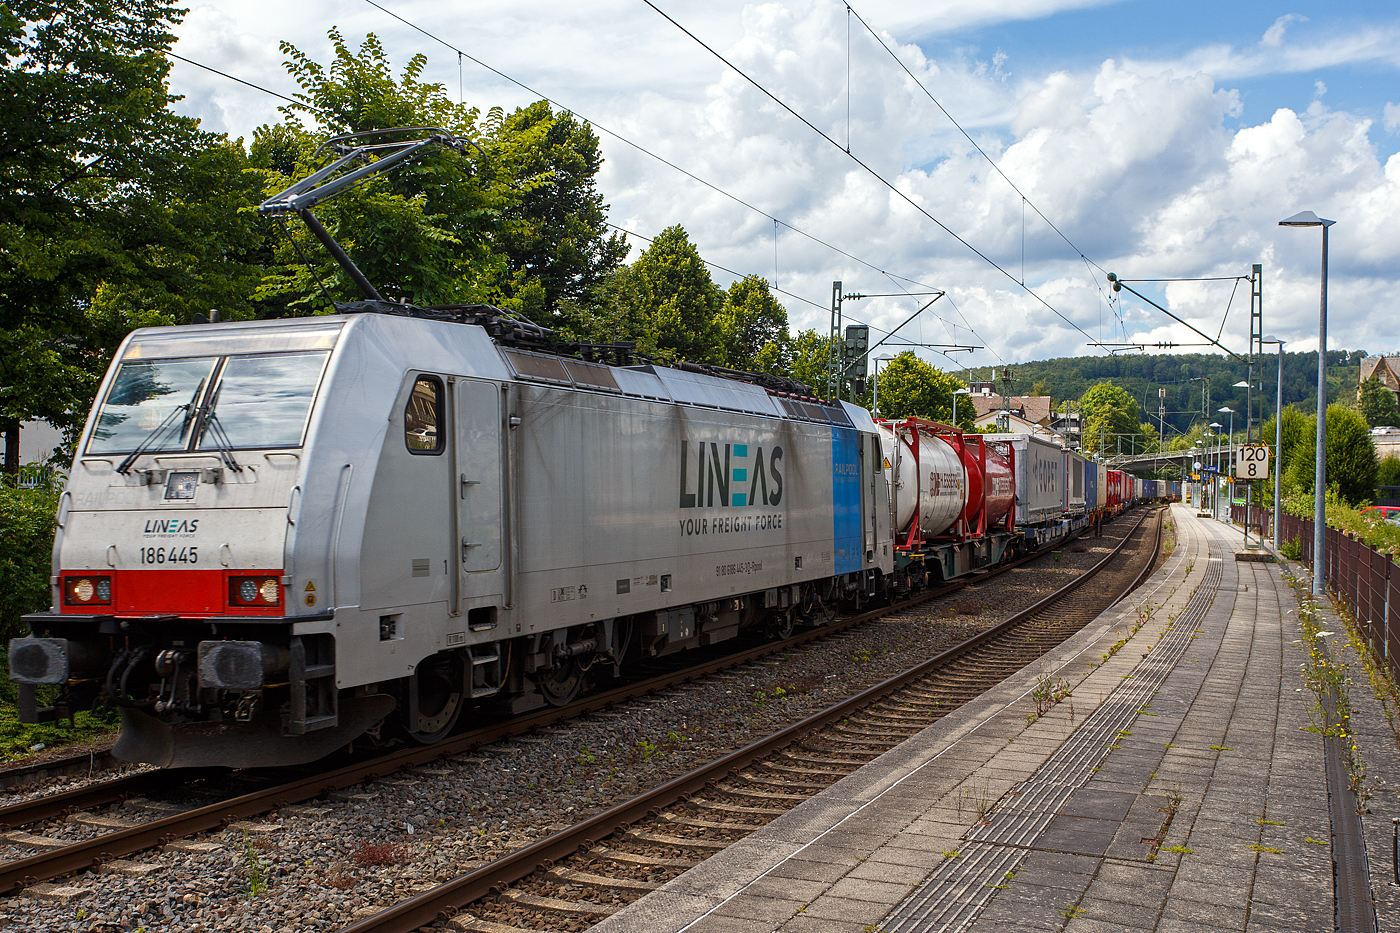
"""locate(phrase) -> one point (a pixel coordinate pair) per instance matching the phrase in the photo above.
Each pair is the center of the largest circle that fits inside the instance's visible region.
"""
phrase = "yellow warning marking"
(887, 463)
(310, 587)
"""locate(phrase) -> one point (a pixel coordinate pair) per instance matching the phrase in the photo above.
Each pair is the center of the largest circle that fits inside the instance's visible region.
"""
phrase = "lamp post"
(875, 389)
(1248, 414)
(1229, 461)
(1215, 480)
(1309, 219)
(1278, 432)
(956, 393)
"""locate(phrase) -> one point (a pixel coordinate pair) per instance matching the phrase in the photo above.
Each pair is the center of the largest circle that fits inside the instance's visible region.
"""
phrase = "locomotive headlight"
(261, 591)
(93, 589)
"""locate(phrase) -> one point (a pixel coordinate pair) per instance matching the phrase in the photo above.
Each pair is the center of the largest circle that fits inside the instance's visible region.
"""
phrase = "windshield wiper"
(158, 432)
(221, 442)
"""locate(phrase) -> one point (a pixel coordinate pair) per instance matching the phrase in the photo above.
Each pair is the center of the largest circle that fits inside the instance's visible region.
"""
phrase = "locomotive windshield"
(165, 405)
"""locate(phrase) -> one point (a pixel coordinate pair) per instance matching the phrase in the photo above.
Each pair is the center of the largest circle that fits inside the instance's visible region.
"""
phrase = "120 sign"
(1252, 463)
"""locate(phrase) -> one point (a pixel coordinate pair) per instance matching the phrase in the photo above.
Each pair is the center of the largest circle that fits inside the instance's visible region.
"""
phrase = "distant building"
(1387, 368)
(1009, 422)
(1034, 409)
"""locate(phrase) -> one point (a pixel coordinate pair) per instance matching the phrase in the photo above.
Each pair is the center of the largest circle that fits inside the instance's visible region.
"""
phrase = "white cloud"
(1273, 36)
(1137, 162)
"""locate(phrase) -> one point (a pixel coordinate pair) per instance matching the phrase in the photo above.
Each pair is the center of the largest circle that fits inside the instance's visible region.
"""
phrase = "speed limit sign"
(1253, 463)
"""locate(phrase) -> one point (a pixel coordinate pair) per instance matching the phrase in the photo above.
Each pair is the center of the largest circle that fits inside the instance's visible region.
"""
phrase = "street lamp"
(875, 390)
(1278, 432)
(1215, 480)
(1229, 462)
(1309, 219)
(956, 393)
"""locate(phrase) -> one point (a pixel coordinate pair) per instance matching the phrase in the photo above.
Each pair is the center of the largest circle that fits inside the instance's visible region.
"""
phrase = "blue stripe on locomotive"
(845, 495)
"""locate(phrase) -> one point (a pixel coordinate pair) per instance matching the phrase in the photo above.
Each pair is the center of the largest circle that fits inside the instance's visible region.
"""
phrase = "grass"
(254, 869)
(17, 740)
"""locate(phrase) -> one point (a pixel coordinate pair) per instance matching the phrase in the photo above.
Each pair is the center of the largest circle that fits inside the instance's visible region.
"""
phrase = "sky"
(1152, 140)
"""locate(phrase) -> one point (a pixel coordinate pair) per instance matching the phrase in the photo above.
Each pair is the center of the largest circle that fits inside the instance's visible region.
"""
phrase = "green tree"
(420, 233)
(515, 220)
(1111, 417)
(554, 235)
(809, 354)
(1378, 403)
(1350, 457)
(114, 211)
(909, 387)
(672, 301)
(753, 327)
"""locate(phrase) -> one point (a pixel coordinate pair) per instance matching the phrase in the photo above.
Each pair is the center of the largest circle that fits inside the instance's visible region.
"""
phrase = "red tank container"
(991, 484)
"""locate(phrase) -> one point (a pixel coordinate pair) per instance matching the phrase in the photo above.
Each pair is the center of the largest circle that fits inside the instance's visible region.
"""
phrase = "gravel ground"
(338, 858)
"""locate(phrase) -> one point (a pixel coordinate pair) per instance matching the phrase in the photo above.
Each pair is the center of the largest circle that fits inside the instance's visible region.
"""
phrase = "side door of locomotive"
(480, 465)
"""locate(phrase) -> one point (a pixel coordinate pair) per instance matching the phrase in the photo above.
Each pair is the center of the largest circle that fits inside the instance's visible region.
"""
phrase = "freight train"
(279, 536)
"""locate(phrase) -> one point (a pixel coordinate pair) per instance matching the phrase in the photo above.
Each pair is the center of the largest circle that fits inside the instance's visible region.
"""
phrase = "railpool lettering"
(720, 472)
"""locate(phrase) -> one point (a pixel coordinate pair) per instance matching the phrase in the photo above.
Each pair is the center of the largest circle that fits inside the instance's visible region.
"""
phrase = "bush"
(1388, 472)
(1350, 455)
(26, 545)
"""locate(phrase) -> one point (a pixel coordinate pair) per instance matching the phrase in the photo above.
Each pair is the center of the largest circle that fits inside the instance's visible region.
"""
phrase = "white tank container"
(929, 481)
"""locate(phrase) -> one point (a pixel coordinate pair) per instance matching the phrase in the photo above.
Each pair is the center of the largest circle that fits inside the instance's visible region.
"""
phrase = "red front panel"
(176, 592)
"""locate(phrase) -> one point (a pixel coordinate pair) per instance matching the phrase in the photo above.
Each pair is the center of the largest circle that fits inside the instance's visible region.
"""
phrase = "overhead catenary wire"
(992, 162)
(775, 220)
(224, 74)
(669, 164)
(894, 189)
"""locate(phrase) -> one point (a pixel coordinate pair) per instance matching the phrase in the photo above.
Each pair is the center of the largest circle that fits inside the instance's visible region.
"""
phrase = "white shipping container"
(1039, 477)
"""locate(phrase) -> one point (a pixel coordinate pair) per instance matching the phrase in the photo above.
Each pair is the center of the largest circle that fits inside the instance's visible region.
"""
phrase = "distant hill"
(1144, 374)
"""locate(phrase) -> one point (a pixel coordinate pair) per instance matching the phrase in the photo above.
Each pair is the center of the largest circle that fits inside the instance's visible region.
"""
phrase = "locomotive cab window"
(209, 403)
(422, 417)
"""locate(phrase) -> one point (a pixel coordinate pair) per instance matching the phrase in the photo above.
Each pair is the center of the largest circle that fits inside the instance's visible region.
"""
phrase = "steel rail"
(117, 789)
(93, 853)
(444, 901)
(29, 773)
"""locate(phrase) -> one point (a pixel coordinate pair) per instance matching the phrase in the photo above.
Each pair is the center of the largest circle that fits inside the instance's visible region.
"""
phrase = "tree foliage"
(114, 211)
(1350, 455)
(1111, 417)
(753, 328)
(1377, 403)
(1388, 472)
(909, 387)
(515, 220)
(26, 536)
(669, 303)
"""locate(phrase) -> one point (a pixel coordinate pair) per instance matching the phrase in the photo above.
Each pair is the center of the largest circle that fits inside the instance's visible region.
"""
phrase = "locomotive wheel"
(441, 684)
(562, 684)
(782, 624)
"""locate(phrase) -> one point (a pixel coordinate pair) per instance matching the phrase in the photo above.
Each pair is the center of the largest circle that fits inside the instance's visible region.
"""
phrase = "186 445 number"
(170, 555)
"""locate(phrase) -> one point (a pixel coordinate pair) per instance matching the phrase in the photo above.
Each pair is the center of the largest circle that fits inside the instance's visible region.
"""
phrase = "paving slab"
(1175, 790)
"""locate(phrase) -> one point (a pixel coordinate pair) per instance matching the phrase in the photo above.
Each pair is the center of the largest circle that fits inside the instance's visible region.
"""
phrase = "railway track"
(581, 875)
(109, 838)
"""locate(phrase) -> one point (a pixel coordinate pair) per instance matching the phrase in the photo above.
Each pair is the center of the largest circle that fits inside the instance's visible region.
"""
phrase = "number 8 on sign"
(1253, 463)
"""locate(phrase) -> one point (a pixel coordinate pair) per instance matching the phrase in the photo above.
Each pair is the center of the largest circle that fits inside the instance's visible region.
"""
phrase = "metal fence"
(1362, 577)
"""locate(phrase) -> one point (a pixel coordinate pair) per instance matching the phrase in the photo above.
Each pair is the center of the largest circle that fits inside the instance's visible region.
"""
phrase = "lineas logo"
(727, 472)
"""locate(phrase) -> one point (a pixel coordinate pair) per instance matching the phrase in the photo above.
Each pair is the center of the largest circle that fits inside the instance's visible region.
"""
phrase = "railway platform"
(1154, 772)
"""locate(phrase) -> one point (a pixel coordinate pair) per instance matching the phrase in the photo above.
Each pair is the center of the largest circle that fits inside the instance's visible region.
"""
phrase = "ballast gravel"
(336, 859)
